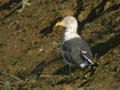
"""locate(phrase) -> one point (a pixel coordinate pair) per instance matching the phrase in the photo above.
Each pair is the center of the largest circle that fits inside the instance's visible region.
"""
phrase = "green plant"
(6, 86)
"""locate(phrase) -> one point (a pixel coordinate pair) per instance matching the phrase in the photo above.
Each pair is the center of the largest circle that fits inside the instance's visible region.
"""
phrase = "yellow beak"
(59, 24)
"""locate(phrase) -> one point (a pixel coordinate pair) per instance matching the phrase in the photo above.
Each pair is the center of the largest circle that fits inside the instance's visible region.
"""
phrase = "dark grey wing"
(66, 51)
(77, 51)
(85, 51)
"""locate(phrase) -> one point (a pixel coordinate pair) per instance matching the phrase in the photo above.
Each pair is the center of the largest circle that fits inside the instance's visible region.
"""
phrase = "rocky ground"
(30, 56)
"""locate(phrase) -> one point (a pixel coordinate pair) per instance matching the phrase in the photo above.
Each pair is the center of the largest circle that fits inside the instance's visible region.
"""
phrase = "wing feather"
(77, 51)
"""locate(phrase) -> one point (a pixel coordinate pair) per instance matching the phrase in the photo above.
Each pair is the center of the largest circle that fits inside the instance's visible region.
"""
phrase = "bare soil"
(30, 55)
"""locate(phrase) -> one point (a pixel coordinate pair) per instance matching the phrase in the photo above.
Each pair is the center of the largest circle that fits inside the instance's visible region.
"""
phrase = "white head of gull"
(71, 25)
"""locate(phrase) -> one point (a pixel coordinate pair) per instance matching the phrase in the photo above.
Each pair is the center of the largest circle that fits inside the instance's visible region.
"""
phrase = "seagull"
(75, 50)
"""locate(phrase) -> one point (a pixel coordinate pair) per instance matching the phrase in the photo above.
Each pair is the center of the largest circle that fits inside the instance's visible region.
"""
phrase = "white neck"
(70, 34)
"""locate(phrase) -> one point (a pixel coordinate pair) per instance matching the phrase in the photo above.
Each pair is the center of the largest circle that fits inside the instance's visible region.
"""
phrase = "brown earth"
(30, 56)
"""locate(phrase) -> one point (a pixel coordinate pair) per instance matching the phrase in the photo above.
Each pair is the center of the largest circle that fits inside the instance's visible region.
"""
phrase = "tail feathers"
(88, 63)
(89, 60)
(83, 65)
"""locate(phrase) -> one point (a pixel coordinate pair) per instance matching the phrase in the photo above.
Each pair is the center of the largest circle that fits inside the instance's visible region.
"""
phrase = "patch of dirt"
(30, 55)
